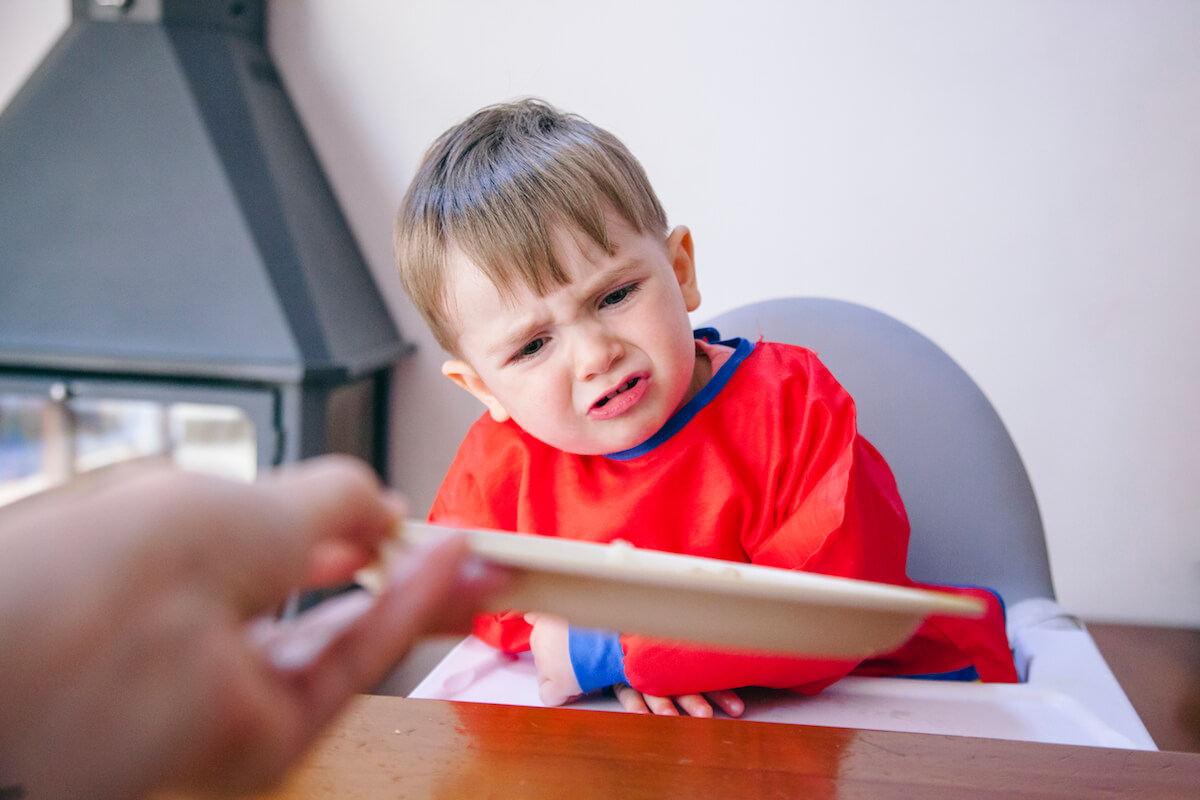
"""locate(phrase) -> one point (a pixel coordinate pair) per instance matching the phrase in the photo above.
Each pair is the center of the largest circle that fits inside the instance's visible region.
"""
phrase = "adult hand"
(131, 612)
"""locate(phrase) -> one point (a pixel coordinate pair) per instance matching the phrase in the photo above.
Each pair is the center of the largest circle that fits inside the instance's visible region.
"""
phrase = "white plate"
(688, 598)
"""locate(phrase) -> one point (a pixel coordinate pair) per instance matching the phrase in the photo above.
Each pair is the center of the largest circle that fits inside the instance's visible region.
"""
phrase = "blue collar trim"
(741, 349)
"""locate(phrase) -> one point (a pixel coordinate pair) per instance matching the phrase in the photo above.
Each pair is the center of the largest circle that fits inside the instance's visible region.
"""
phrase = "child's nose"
(596, 350)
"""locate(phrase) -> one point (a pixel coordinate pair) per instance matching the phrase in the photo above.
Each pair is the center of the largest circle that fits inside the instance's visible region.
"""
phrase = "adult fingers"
(431, 587)
(294, 644)
(335, 498)
(346, 644)
(250, 543)
(244, 544)
(329, 516)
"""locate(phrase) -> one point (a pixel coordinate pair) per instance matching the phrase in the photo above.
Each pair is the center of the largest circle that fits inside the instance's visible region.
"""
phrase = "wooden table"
(389, 747)
(1159, 669)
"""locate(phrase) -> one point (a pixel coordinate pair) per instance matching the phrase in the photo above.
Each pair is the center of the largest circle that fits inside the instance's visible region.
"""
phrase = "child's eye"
(620, 295)
(529, 350)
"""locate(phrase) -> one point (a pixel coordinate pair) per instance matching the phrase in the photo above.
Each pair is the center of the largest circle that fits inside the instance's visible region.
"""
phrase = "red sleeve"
(824, 535)
(472, 495)
(842, 515)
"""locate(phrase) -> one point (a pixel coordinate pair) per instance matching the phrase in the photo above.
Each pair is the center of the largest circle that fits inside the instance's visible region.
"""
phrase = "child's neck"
(701, 373)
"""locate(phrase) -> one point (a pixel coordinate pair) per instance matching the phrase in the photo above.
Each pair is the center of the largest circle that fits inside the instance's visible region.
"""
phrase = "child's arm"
(870, 543)
(507, 631)
(864, 535)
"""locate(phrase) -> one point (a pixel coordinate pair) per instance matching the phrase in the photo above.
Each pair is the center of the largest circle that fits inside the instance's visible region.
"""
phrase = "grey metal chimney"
(163, 216)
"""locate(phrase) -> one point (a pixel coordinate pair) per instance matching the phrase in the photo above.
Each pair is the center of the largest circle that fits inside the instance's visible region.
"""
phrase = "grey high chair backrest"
(972, 509)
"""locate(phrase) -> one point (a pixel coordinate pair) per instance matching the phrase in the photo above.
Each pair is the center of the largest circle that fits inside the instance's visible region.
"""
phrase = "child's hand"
(557, 684)
(695, 705)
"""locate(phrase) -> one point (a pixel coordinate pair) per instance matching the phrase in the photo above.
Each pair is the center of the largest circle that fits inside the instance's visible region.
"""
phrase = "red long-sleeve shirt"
(765, 465)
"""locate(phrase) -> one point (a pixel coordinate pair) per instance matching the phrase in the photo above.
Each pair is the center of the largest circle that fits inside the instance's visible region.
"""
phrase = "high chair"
(974, 519)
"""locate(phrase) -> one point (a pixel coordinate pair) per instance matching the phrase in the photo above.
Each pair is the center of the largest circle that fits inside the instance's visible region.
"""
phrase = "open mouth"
(603, 401)
(620, 400)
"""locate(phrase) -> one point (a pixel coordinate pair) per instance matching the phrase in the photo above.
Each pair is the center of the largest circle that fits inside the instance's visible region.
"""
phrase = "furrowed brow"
(600, 283)
(519, 336)
(606, 279)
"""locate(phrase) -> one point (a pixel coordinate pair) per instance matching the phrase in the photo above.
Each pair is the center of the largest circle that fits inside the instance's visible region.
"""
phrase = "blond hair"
(495, 186)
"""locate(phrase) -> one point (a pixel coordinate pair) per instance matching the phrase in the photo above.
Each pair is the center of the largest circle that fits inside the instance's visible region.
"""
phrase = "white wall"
(1018, 180)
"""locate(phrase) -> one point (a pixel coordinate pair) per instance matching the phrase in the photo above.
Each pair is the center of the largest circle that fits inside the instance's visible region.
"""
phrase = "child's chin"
(632, 434)
(597, 448)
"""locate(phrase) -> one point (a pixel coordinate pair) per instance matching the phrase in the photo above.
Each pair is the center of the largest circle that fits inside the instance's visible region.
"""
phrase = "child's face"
(595, 366)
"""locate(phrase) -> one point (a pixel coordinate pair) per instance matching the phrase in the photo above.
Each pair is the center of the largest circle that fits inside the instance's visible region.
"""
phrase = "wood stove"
(175, 274)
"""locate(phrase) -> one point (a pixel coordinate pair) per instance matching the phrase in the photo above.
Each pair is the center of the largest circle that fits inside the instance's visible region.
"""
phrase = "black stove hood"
(162, 212)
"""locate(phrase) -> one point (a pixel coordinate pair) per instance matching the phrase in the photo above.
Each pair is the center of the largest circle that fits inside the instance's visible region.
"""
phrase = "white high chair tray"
(476, 672)
(669, 596)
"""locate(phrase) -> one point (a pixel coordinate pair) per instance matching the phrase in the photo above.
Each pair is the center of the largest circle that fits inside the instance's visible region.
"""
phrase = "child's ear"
(683, 262)
(465, 376)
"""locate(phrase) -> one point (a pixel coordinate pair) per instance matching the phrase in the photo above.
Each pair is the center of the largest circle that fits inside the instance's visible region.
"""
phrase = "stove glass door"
(51, 431)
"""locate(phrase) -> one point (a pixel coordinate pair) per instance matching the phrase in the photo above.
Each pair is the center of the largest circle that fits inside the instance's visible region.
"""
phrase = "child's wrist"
(596, 657)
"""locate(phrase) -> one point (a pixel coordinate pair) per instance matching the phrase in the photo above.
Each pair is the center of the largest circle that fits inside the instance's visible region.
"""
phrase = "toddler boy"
(533, 245)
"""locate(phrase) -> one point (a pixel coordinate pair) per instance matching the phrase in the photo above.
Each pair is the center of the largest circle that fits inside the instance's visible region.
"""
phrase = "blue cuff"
(596, 657)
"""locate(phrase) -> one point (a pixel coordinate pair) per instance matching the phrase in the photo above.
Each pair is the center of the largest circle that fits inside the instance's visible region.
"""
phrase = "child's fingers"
(630, 699)
(728, 701)
(694, 705)
(553, 694)
(662, 706)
